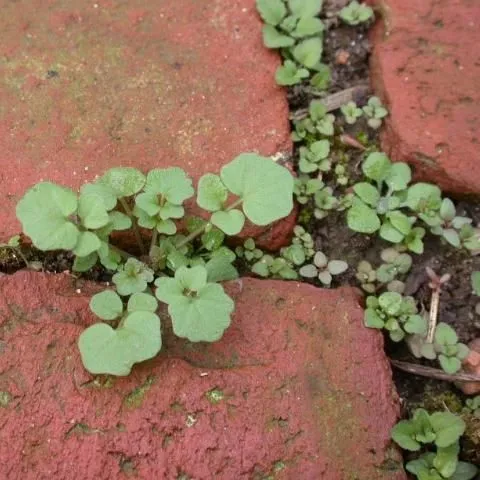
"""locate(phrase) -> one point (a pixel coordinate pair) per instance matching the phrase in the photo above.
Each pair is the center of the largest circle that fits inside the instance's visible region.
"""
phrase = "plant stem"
(121, 252)
(192, 236)
(19, 252)
(201, 229)
(153, 241)
(235, 204)
(138, 237)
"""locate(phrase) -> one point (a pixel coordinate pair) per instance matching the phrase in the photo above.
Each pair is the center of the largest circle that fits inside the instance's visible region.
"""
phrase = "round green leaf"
(325, 277)
(271, 11)
(422, 192)
(133, 277)
(92, 212)
(231, 222)
(167, 227)
(445, 335)
(415, 324)
(449, 364)
(265, 187)
(172, 183)
(390, 233)
(308, 26)
(447, 210)
(372, 319)
(400, 221)
(106, 305)
(376, 166)
(220, 268)
(308, 52)
(448, 428)
(101, 194)
(142, 302)
(336, 267)
(403, 433)
(305, 8)
(399, 176)
(308, 271)
(203, 318)
(44, 213)
(212, 193)
(361, 218)
(83, 264)
(123, 181)
(114, 352)
(446, 460)
(87, 243)
(390, 302)
(464, 471)
(272, 38)
(367, 193)
(452, 237)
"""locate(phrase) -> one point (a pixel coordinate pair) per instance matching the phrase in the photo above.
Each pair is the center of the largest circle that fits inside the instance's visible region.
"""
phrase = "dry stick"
(138, 238)
(434, 372)
(355, 94)
(435, 284)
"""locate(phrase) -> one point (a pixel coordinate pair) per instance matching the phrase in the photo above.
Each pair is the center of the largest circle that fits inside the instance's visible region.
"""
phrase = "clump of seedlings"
(375, 112)
(323, 268)
(355, 13)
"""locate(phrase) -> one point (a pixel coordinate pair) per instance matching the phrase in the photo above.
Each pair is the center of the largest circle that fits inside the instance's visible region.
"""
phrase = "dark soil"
(347, 53)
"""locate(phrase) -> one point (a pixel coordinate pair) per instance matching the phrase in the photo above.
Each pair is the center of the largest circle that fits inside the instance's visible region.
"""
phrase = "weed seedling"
(323, 269)
(355, 13)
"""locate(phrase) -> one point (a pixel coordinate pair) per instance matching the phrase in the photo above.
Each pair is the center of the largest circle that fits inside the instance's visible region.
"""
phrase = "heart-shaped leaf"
(123, 181)
(114, 352)
(92, 212)
(265, 187)
(361, 218)
(44, 213)
(142, 302)
(212, 193)
(87, 243)
(271, 11)
(272, 38)
(172, 184)
(308, 52)
(200, 311)
(106, 305)
(231, 222)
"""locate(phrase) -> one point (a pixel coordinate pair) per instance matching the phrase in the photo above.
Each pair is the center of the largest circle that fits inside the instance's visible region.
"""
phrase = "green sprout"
(449, 224)
(446, 347)
(249, 187)
(323, 268)
(443, 430)
(341, 174)
(351, 112)
(374, 112)
(355, 13)
(367, 276)
(269, 266)
(249, 251)
(303, 238)
(395, 263)
(325, 202)
(295, 28)
(319, 121)
(315, 157)
(396, 314)
(305, 187)
(472, 406)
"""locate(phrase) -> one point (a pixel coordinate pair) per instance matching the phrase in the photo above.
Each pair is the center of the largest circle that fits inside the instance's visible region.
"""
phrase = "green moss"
(5, 399)
(215, 396)
(434, 401)
(135, 398)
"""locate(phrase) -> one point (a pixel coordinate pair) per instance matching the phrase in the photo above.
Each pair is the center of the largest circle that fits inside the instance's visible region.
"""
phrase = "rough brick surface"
(86, 86)
(426, 66)
(296, 389)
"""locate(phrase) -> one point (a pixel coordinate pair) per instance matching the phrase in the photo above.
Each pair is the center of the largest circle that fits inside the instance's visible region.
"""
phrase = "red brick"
(307, 392)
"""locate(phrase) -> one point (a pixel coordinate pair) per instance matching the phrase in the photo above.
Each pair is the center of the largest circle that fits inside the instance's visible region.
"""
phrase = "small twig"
(334, 101)
(136, 232)
(435, 284)
(423, 371)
